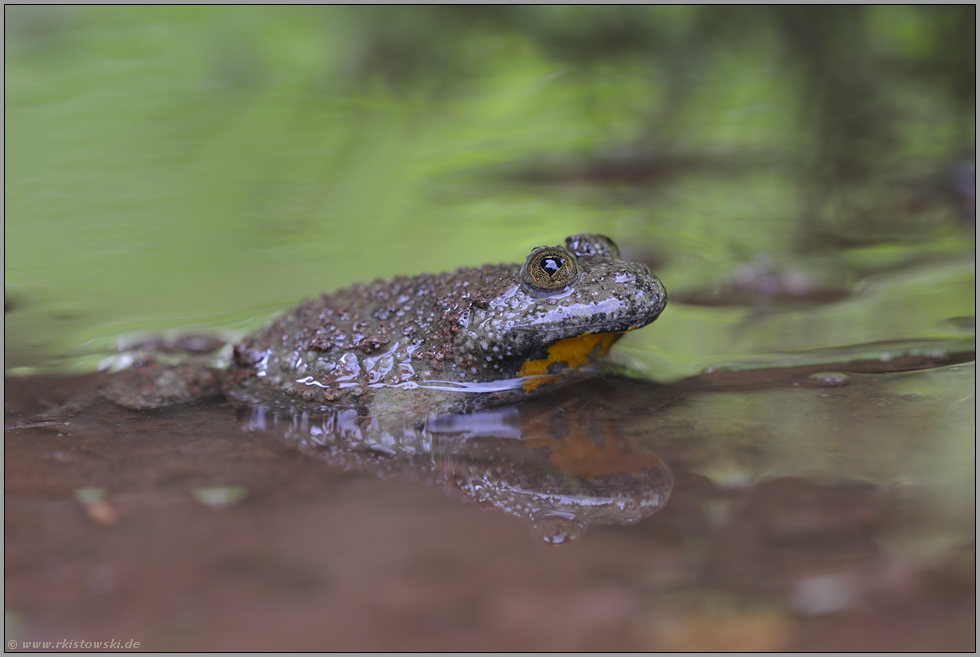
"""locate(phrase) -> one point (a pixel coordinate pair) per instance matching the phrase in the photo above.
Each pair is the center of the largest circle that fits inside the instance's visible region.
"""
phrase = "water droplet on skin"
(557, 529)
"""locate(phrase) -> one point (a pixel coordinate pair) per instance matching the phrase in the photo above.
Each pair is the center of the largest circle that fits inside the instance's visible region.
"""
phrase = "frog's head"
(569, 305)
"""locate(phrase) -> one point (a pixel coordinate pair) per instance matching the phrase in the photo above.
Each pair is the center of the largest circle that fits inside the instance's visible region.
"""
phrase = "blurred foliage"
(202, 167)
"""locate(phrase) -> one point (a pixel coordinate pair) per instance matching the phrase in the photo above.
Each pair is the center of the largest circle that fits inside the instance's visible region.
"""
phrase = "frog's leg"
(146, 385)
(149, 384)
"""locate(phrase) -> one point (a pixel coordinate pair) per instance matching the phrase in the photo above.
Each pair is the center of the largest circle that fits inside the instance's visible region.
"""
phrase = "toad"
(432, 343)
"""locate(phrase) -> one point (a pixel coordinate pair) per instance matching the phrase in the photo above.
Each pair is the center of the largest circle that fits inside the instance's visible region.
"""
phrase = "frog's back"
(339, 348)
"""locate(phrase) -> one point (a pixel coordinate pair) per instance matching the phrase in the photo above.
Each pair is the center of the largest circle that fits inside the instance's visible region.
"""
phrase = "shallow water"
(785, 459)
(795, 510)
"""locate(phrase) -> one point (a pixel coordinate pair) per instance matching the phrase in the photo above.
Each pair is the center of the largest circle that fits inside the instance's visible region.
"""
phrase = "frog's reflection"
(561, 469)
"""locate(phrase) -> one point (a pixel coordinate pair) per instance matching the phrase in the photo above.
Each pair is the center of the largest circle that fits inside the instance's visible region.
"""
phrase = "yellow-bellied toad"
(440, 343)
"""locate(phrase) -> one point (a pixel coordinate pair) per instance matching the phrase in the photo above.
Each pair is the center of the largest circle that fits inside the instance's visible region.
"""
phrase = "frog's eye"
(549, 269)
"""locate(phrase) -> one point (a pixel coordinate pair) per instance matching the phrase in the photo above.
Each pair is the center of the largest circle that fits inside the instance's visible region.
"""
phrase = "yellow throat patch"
(565, 354)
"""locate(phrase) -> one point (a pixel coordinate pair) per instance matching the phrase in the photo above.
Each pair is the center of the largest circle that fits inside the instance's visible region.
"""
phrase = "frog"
(428, 344)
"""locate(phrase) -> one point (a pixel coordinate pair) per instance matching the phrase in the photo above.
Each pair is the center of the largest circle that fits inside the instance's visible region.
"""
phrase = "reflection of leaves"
(592, 34)
(236, 62)
(412, 47)
(834, 53)
(947, 52)
(38, 30)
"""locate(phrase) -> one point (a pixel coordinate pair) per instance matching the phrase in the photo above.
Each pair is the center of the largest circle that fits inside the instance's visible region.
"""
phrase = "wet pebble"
(96, 507)
(102, 513)
(827, 380)
(824, 594)
(218, 497)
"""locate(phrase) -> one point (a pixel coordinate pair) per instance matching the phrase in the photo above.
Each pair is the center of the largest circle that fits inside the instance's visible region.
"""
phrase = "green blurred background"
(801, 178)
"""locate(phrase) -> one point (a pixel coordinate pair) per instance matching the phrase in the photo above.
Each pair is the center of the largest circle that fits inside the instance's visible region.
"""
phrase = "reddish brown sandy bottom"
(318, 559)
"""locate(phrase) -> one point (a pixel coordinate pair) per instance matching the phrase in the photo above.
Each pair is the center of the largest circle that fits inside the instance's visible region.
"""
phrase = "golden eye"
(549, 269)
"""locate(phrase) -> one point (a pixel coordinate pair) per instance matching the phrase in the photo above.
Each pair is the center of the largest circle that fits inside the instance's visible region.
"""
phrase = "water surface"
(784, 460)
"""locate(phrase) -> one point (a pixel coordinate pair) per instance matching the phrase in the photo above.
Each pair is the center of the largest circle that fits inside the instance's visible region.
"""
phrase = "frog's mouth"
(569, 353)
